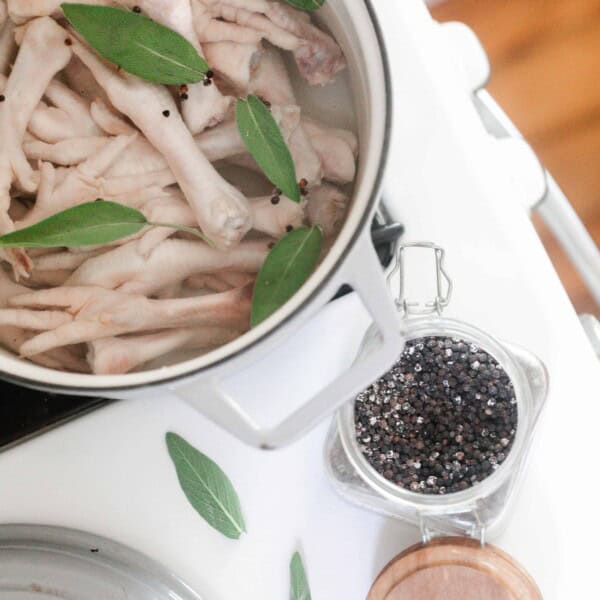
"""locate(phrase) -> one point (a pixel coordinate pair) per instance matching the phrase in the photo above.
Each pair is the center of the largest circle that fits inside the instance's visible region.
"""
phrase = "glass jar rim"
(414, 328)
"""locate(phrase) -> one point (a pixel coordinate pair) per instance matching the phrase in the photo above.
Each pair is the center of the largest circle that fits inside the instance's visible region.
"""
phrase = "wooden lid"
(454, 569)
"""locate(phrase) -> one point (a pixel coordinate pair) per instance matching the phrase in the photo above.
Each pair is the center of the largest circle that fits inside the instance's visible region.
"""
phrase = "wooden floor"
(545, 57)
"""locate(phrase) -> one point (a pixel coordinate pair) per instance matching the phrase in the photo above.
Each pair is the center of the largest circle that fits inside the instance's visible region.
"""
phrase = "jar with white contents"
(442, 438)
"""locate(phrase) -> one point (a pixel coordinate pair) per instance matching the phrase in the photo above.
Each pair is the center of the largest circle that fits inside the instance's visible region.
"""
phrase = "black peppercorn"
(166, 113)
(208, 77)
(434, 424)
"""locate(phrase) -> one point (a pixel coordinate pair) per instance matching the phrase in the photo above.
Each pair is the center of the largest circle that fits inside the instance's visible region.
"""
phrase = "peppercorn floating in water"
(441, 420)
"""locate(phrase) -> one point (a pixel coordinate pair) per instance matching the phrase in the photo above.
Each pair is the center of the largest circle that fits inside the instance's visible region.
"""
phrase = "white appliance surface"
(109, 472)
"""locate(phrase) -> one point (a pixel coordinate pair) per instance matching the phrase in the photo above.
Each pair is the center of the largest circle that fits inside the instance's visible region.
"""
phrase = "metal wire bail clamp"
(444, 283)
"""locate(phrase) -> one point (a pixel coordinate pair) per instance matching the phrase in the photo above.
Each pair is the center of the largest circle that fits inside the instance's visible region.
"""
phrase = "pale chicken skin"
(75, 128)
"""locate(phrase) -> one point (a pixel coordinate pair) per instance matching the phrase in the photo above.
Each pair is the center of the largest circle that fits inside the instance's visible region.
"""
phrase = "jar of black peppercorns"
(441, 439)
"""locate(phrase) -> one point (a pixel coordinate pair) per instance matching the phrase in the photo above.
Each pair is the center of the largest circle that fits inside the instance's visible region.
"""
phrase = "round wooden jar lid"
(454, 569)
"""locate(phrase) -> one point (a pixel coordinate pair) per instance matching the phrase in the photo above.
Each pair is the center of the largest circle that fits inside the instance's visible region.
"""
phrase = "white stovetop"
(109, 472)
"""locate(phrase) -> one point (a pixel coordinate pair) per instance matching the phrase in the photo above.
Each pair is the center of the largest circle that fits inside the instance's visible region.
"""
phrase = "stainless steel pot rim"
(109, 556)
(364, 222)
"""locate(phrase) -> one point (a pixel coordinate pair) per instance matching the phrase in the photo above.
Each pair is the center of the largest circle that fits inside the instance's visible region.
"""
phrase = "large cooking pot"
(352, 261)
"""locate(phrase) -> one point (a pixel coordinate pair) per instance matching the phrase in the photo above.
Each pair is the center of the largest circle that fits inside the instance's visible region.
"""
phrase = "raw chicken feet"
(221, 210)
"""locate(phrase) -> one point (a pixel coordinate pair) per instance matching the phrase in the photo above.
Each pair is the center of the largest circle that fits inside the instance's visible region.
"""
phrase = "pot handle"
(362, 271)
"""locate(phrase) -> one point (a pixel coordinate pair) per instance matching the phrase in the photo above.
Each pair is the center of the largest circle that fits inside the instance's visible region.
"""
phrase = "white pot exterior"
(352, 261)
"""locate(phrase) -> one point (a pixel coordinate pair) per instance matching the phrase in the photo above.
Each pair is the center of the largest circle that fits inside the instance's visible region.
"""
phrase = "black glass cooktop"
(25, 413)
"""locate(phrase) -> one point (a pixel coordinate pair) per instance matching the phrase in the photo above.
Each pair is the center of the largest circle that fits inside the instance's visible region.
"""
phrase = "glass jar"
(479, 510)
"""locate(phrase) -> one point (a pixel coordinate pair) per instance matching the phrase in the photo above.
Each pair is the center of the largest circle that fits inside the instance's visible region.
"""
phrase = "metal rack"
(554, 207)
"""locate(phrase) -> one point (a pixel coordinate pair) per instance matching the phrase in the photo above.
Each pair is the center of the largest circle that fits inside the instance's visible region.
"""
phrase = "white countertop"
(110, 473)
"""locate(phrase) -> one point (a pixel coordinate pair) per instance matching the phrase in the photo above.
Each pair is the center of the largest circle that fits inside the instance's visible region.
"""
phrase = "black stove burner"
(25, 413)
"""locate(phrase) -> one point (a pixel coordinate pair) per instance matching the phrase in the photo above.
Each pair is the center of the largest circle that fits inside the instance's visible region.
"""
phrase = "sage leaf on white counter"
(208, 489)
(299, 588)
(137, 44)
(287, 267)
(88, 224)
(309, 5)
(264, 141)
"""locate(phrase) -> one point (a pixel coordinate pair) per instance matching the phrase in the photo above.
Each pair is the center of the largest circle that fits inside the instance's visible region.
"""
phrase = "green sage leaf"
(287, 267)
(299, 589)
(309, 5)
(264, 141)
(88, 224)
(137, 44)
(207, 488)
